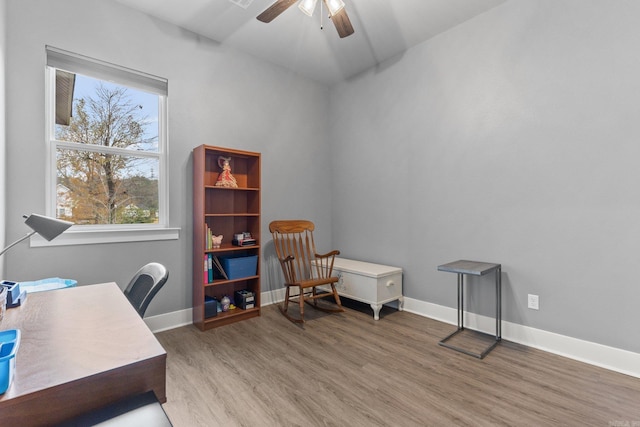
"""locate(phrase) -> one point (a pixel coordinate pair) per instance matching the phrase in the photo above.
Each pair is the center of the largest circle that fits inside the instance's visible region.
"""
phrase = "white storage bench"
(370, 283)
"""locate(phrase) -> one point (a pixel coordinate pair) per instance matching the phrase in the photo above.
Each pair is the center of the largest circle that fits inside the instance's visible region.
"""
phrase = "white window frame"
(108, 233)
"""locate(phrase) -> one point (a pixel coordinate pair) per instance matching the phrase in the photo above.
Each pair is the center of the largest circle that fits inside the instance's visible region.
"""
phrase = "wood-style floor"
(348, 370)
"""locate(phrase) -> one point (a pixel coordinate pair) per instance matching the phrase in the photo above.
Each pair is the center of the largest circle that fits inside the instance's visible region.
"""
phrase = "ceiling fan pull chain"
(321, 26)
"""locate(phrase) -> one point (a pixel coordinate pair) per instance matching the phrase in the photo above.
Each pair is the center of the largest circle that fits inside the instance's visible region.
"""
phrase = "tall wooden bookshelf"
(225, 211)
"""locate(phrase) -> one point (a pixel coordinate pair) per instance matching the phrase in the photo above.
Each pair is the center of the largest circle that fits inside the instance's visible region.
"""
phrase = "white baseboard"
(611, 358)
(175, 319)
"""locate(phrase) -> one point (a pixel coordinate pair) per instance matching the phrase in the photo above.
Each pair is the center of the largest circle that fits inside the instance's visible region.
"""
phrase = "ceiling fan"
(337, 13)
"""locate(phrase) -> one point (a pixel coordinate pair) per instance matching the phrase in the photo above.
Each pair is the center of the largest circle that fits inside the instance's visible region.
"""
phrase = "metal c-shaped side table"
(474, 268)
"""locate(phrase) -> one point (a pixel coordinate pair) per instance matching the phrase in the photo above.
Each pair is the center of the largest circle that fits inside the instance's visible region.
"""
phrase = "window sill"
(93, 237)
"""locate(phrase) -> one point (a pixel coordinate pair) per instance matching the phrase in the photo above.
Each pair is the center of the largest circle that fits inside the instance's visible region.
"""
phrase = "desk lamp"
(47, 227)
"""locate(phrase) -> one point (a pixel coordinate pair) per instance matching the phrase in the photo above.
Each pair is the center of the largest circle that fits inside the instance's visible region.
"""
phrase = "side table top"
(475, 268)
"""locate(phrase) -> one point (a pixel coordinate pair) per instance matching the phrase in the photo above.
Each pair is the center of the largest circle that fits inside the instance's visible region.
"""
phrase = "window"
(107, 145)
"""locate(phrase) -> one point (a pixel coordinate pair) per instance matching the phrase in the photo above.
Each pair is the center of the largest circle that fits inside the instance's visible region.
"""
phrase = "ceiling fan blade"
(275, 9)
(343, 23)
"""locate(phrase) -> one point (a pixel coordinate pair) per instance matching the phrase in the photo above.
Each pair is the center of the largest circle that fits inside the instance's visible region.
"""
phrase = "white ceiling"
(383, 29)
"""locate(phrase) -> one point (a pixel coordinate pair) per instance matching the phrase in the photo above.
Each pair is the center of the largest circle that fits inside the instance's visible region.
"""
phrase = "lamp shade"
(334, 6)
(307, 6)
(47, 227)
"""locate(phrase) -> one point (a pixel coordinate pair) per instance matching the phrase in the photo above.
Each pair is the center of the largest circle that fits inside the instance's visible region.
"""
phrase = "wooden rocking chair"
(302, 266)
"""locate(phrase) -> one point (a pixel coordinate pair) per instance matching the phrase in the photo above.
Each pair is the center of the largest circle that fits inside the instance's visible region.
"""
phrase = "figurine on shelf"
(216, 241)
(225, 179)
(225, 302)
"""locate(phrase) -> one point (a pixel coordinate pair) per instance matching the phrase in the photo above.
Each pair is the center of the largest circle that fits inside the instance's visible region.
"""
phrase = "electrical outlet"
(533, 302)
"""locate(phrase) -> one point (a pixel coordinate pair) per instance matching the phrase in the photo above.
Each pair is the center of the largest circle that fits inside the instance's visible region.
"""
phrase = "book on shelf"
(213, 269)
(208, 237)
(210, 266)
(206, 268)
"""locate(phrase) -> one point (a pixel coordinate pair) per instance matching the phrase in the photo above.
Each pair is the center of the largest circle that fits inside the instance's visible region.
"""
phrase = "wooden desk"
(82, 348)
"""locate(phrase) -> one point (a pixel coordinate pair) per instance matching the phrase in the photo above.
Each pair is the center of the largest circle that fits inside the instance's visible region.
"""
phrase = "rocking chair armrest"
(327, 255)
(324, 263)
(287, 260)
(288, 269)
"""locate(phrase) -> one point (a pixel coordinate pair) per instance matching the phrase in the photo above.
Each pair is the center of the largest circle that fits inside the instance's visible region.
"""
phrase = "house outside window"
(107, 144)
(64, 203)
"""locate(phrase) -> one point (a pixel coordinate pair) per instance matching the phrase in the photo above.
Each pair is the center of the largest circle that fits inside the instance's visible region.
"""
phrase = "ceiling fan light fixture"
(334, 6)
(307, 6)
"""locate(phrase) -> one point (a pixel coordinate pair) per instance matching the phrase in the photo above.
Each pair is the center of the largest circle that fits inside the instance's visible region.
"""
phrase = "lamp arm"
(16, 242)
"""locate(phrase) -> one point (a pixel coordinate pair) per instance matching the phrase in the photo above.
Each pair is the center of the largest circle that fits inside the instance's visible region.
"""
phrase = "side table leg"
(460, 301)
(498, 304)
(401, 303)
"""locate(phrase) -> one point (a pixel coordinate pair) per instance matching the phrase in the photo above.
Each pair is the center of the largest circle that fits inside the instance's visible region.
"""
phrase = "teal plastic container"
(9, 343)
(47, 284)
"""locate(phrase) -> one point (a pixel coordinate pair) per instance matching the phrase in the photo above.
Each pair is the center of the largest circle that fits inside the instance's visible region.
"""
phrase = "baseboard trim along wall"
(175, 319)
(614, 359)
(611, 358)
(164, 322)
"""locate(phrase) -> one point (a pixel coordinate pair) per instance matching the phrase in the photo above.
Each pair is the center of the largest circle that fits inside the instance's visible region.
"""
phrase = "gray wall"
(216, 96)
(512, 138)
(3, 50)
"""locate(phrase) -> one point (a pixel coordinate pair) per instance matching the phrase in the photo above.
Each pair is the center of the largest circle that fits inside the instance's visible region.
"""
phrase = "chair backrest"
(294, 238)
(145, 284)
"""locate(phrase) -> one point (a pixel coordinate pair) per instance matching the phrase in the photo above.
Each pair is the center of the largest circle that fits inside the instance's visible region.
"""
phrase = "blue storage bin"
(210, 306)
(239, 267)
(9, 342)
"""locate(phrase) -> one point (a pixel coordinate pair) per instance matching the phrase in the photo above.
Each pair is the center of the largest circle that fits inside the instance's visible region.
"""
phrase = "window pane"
(97, 112)
(101, 188)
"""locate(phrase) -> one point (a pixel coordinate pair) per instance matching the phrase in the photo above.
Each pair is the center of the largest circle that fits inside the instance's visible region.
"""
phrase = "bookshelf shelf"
(225, 211)
(232, 215)
(231, 316)
(213, 187)
(217, 282)
(231, 248)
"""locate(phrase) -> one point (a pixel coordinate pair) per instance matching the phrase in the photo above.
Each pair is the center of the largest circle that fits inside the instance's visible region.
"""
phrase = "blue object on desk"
(14, 295)
(47, 284)
(9, 342)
